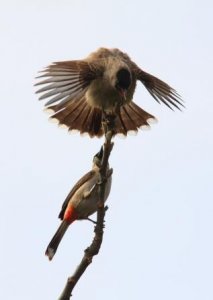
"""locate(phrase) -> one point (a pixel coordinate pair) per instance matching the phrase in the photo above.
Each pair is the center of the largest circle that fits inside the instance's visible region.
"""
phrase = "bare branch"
(93, 249)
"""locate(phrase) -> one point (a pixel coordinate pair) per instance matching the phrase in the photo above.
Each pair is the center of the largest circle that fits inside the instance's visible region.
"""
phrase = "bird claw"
(95, 222)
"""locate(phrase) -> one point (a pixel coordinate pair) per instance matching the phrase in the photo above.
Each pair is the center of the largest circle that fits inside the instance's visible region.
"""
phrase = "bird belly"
(87, 206)
(102, 95)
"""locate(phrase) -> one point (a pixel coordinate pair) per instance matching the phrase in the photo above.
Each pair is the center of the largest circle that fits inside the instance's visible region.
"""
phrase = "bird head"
(97, 159)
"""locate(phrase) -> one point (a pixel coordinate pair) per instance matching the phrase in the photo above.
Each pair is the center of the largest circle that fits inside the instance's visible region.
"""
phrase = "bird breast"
(102, 92)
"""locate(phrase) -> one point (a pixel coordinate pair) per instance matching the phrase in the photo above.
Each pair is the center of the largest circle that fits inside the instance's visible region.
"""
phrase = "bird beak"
(122, 93)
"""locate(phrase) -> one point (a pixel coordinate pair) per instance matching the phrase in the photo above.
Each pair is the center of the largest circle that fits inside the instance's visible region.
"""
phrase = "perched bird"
(81, 202)
(80, 91)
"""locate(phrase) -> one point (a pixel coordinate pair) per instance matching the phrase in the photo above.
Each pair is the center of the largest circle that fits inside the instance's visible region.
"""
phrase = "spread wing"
(66, 81)
(159, 89)
(81, 181)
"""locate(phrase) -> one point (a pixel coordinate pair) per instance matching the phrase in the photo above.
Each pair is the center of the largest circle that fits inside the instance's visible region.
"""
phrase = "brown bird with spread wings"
(79, 92)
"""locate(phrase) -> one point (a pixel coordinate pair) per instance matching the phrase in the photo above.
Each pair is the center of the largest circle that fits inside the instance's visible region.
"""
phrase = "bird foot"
(88, 219)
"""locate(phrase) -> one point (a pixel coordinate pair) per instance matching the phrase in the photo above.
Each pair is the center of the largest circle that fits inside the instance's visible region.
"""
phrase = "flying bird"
(80, 92)
(81, 202)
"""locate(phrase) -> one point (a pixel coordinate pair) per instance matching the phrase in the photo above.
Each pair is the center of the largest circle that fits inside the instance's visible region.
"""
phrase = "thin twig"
(93, 249)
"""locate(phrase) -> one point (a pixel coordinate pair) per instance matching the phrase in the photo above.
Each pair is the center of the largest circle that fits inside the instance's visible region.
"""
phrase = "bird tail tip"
(50, 252)
(54, 243)
(131, 118)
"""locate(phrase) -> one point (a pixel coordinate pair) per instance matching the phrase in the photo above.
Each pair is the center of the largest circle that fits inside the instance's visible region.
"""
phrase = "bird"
(81, 202)
(81, 92)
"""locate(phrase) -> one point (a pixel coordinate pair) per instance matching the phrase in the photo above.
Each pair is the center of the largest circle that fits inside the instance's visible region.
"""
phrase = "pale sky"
(158, 241)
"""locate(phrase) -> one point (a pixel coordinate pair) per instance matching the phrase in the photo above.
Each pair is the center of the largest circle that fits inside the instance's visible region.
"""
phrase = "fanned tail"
(78, 115)
(54, 243)
(131, 118)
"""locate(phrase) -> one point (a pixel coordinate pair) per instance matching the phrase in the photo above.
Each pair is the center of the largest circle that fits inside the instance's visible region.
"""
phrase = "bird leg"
(108, 121)
(91, 220)
(94, 222)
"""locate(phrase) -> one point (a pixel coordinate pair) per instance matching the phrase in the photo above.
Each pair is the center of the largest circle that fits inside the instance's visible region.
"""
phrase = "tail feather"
(54, 243)
(96, 123)
(79, 115)
(131, 118)
(85, 117)
(74, 113)
(61, 114)
(87, 124)
(120, 127)
(139, 115)
(63, 105)
(93, 125)
(134, 116)
(127, 121)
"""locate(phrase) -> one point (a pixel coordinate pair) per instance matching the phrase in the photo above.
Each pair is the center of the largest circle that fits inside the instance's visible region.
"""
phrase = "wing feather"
(66, 81)
(159, 89)
(81, 181)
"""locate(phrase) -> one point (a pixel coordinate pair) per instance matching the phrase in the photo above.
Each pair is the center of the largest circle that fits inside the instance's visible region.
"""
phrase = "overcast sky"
(158, 240)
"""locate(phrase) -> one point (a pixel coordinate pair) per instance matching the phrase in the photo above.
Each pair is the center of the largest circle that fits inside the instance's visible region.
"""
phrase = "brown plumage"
(80, 91)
